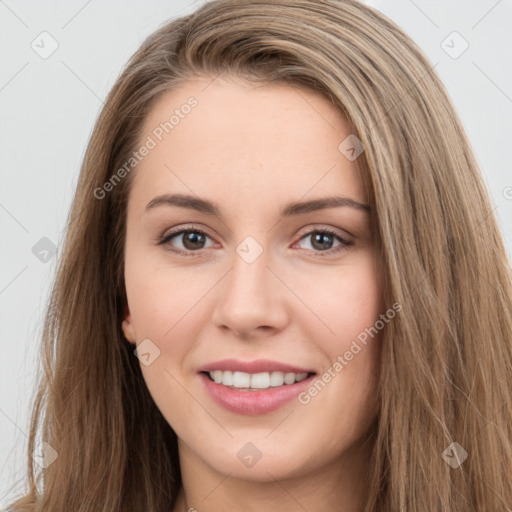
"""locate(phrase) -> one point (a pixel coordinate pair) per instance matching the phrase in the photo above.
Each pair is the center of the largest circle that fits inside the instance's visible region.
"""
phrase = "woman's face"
(253, 292)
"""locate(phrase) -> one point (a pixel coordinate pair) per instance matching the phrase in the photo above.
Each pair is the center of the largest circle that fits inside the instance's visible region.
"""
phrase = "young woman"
(282, 286)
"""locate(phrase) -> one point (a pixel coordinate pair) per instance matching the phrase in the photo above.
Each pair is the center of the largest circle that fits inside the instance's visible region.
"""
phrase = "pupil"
(320, 238)
(193, 240)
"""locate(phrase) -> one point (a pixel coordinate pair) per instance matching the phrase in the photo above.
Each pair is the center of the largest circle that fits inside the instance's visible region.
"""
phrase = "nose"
(251, 299)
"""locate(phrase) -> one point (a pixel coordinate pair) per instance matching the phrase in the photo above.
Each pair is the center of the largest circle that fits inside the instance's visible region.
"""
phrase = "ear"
(128, 330)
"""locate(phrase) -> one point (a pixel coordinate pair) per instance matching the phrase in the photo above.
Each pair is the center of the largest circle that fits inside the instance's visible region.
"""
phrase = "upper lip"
(256, 366)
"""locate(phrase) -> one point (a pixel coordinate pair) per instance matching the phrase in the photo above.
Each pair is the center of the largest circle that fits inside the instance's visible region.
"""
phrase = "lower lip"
(253, 402)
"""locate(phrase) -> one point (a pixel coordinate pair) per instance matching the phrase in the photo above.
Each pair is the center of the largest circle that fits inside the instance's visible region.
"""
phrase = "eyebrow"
(294, 208)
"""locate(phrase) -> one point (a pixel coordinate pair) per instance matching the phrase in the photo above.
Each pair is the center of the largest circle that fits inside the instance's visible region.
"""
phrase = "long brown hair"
(447, 358)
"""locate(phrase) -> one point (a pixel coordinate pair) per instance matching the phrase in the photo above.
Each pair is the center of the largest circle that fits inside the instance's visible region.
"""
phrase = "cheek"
(347, 303)
(351, 306)
(162, 298)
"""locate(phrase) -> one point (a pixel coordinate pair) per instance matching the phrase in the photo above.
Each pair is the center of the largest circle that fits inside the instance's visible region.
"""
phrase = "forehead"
(230, 140)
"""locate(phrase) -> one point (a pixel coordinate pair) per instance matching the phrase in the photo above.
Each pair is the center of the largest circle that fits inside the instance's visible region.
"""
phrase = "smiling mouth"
(243, 381)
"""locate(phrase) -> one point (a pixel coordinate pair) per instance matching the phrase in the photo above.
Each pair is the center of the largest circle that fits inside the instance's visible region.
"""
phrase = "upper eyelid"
(180, 230)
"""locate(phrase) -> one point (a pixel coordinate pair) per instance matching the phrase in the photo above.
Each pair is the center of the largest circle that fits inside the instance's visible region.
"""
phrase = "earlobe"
(127, 327)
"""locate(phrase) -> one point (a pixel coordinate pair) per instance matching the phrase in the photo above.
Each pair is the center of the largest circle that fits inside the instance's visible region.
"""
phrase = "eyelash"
(345, 244)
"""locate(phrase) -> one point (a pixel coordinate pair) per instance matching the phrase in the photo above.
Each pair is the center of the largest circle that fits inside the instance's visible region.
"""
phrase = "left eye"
(320, 238)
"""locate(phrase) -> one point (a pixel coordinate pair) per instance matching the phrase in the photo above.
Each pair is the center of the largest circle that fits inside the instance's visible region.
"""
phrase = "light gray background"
(48, 108)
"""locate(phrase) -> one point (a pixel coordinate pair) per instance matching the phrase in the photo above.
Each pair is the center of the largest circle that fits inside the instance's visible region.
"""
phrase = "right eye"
(191, 239)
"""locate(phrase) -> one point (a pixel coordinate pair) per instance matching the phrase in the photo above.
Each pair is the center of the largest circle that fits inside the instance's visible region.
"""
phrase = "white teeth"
(289, 378)
(276, 379)
(241, 380)
(262, 380)
(227, 378)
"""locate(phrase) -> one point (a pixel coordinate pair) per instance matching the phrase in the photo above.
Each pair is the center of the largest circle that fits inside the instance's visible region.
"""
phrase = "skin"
(251, 149)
